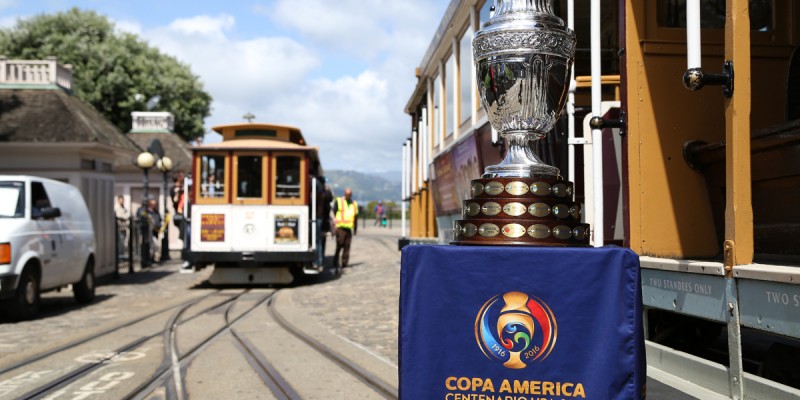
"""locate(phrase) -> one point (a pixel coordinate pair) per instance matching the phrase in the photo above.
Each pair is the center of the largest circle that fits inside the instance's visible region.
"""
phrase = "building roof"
(54, 116)
(173, 145)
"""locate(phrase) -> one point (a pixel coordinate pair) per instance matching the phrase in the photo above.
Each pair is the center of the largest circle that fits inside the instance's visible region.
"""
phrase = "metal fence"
(130, 246)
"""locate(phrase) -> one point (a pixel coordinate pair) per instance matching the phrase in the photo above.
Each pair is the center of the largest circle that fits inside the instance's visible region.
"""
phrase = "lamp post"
(145, 161)
(165, 165)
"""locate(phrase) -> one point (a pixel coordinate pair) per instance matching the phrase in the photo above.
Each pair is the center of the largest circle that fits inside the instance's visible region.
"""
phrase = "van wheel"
(25, 304)
(84, 290)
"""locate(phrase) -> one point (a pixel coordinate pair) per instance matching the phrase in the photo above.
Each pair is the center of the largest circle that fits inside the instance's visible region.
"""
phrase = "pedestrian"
(123, 216)
(324, 199)
(378, 213)
(184, 210)
(149, 226)
(345, 210)
(176, 192)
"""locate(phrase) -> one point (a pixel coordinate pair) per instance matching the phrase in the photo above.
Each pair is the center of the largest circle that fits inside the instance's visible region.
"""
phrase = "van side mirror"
(51, 212)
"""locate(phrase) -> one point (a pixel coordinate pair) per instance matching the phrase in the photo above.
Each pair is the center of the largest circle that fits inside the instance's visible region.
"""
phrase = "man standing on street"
(345, 211)
(123, 216)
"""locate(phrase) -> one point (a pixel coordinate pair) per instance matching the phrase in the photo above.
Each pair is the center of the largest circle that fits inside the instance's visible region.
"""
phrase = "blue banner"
(520, 323)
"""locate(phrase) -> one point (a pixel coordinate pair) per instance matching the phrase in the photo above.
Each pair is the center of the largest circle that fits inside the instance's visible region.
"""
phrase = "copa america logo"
(516, 329)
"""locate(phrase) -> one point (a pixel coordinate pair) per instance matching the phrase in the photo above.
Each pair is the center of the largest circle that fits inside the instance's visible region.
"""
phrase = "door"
(50, 242)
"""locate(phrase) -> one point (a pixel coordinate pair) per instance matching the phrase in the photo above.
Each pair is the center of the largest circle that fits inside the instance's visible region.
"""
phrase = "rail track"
(184, 333)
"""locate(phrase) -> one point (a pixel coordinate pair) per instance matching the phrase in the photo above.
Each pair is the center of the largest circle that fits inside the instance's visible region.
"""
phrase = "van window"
(12, 199)
(287, 177)
(39, 200)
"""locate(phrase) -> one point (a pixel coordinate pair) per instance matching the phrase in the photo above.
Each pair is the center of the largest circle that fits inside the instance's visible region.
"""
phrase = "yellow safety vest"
(345, 214)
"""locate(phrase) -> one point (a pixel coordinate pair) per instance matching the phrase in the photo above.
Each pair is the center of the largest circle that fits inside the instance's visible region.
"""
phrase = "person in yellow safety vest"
(345, 212)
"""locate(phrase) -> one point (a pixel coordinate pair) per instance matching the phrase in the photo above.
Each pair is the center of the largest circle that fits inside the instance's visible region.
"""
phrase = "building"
(46, 131)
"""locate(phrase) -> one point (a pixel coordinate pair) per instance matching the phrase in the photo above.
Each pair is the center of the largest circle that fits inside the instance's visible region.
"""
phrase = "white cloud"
(361, 28)
(7, 22)
(204, 25)
(127, 27)
(7, 4)
(356, 117)
(241, 73)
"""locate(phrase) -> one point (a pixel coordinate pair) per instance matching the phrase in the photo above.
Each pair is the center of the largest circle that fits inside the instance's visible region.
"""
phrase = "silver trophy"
(523, 56)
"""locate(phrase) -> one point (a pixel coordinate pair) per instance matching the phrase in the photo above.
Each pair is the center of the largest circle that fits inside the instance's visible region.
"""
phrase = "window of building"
(465, 67)
(437, 107)
(449, 90)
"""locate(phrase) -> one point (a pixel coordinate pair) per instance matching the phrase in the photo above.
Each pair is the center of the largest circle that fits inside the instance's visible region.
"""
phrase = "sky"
(340, 70)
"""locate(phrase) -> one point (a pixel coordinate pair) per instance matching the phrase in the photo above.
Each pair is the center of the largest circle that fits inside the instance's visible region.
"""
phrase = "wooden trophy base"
(534, 211)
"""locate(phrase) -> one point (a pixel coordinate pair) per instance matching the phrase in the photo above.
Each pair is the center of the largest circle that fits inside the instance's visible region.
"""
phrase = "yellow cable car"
(254, 211)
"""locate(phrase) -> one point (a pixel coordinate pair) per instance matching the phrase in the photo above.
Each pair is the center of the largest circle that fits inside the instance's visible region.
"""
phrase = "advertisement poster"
(212, 227)
(444, 190)
(467, 166)
(286, 229)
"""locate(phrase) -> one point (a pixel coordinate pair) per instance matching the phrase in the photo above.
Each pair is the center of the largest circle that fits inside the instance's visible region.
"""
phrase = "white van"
(46, 242)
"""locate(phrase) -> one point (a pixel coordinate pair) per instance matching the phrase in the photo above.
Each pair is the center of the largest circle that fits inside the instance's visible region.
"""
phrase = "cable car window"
(249, 174)
(672, 14)
(212, 175)
(287, 175)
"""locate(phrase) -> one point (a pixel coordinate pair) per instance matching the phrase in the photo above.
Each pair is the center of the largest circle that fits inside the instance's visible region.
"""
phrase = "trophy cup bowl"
(523, 57)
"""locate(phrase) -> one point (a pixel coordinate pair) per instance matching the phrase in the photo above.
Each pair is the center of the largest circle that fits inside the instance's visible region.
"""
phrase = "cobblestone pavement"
(62, 319)
(363, 304)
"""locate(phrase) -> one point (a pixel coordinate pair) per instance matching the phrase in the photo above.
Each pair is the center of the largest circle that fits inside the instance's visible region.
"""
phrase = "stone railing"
(35, 72)
(152, 120)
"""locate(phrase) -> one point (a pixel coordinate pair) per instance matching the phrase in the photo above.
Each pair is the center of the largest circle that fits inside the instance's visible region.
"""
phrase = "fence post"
(116, 248)
(130, 244)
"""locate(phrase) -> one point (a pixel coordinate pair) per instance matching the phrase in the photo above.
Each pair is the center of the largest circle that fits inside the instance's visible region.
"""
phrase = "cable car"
(254, 211)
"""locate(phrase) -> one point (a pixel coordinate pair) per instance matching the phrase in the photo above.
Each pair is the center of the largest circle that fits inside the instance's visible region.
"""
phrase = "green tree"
(115, 72)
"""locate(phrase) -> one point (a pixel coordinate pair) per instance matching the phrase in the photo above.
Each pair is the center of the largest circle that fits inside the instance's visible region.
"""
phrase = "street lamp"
(165, 165)
(145, 161)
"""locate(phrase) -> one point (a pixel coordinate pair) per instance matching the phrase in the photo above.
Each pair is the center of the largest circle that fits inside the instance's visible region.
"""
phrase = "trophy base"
(521, 211)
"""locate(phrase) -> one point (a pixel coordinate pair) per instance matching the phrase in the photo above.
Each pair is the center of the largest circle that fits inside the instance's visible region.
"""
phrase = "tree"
(117, 73)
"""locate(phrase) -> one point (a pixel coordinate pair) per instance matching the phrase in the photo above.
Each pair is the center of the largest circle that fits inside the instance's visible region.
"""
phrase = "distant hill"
(366, 187)
(391, 176)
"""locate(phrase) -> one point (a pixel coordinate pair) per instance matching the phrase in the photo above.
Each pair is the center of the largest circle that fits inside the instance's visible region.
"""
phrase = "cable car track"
(76, 374)
(265, 370)
(174, 363)
(371, 380)
(83, 340)
(167, 376)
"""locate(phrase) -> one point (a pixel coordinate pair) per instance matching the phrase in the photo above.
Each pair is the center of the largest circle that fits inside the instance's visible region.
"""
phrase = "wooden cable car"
(254, 212)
